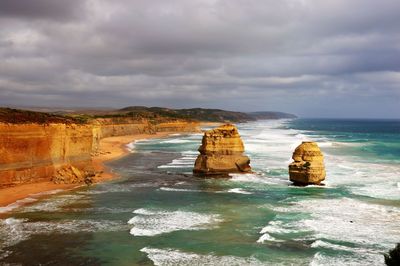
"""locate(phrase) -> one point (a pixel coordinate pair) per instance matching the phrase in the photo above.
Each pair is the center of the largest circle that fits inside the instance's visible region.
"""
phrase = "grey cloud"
(42, 9)
(235, 54)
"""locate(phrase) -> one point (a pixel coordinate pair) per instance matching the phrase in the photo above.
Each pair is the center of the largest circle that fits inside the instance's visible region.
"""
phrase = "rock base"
(72, 175)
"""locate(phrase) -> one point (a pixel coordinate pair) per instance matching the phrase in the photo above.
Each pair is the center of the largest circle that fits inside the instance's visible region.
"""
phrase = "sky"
(313, 58)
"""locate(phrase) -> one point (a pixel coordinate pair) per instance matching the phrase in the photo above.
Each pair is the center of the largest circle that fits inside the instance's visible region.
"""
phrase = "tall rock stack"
(308, 166)
(221, 153)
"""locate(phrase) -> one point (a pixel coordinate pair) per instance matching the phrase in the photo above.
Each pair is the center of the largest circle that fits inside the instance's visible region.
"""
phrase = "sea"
(158, 213)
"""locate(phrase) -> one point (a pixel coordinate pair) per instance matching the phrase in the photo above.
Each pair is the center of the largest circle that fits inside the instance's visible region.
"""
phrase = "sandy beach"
(111, 148)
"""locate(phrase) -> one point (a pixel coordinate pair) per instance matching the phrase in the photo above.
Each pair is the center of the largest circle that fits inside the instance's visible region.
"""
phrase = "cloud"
(57, 10)
(304, 56)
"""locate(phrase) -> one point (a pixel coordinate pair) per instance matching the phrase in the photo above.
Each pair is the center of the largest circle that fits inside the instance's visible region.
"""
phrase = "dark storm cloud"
(42, 9)
(311, 57)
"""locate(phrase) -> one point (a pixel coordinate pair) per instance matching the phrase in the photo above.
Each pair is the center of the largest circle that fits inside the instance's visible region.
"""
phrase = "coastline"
(111, 148)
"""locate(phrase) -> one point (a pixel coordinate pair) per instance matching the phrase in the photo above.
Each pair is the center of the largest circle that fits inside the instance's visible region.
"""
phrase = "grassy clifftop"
(153, 114)
(16, 116)
(199, 114)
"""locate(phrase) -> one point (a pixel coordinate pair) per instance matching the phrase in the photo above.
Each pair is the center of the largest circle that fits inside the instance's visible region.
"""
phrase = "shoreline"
(114, 148)
(111, 148)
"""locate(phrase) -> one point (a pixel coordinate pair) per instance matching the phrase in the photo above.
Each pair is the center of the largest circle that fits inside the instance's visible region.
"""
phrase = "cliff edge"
(38, 147)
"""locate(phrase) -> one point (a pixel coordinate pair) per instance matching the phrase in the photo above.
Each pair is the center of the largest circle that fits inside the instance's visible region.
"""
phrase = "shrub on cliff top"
(15, 116)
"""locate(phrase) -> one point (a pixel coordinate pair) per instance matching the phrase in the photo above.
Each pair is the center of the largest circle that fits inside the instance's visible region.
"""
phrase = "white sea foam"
(131, 146)
(187, 161)
(16, 204)
(171, 257)
(267, 237)
(176, 141)
(30, 199)
(106, 210)
(325, 144)
(324, 244)
(360, 259)
(191, 153)
(172, 166)
(116, 188)
(155, 222)
(55, 203)
(350, 220)
(179, 189)
(376, 180)
(183, 161)
(277, 227)
(272, 147)
(239, 191)
(13, 231)
(256, 178)
(143, 211)
(50, 192)
(387, 190)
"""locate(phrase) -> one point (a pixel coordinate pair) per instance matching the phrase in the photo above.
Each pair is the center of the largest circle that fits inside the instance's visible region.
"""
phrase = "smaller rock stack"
(308, 166)
(221, 153)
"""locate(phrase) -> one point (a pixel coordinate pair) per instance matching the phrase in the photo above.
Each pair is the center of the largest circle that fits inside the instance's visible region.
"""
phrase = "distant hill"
(203, 114)
(200, 114)
(154, 114)
(270, 115)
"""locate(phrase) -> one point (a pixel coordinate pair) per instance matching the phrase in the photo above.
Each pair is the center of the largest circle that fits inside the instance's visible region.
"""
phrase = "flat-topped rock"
(308, 166)
(221, 152)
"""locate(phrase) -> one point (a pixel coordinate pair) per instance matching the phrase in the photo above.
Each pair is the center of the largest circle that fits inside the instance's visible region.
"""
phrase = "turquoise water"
(158, 213)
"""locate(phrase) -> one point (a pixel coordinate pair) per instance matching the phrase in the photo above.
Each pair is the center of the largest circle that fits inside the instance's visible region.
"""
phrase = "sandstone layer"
(221, 152)
(61, 151)
(308, 166)
(34, 152)
(114, 127)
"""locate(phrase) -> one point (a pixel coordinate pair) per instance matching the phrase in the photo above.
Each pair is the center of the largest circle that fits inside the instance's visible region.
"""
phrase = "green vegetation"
(80, 118)
(198, 114)
(153, 114)
(15, 116)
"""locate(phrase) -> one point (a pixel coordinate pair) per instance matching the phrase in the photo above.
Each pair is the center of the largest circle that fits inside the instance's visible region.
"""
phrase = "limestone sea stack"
(221, 153)
(308, 166)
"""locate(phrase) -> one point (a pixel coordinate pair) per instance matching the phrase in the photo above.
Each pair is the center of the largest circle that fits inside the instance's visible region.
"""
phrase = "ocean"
(157, 213)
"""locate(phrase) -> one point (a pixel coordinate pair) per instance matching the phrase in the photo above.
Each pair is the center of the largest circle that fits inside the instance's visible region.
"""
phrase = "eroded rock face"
(221, 153)
(308, 166)
(34, 152)
(72, 175)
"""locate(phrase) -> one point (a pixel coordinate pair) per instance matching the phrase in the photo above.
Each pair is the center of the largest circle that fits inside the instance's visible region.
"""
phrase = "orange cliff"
(34, 152)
